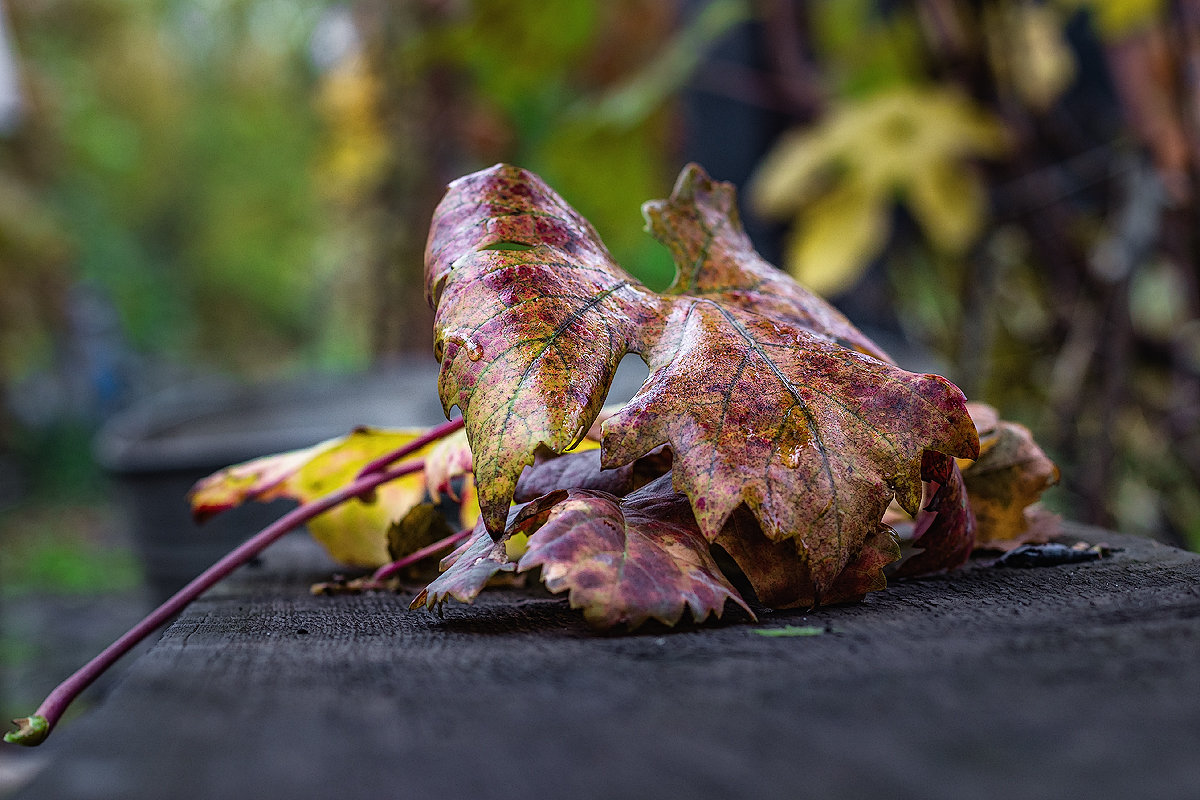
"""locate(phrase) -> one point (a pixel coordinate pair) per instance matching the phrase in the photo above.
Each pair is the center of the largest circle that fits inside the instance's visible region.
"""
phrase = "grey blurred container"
(156, 450)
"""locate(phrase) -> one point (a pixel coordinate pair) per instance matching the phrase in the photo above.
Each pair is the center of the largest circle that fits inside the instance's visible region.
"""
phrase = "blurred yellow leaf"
(835, 237)
(1028, 51)
(840, 178)
(349, 98)
(949, 202)
(1116, 18)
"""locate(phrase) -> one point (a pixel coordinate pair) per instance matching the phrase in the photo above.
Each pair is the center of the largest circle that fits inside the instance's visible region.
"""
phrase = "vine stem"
(34, 729)
(388, 570)
(432, 435)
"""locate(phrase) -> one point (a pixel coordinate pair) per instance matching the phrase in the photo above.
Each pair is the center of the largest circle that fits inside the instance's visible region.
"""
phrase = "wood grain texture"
(1072, 681)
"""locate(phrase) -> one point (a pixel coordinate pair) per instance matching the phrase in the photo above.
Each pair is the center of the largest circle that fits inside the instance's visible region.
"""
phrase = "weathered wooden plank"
(1071, 681)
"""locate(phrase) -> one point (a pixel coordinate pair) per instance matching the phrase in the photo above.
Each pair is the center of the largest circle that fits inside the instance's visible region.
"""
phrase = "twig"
(34, 729)
(431, 435)
(388, 570)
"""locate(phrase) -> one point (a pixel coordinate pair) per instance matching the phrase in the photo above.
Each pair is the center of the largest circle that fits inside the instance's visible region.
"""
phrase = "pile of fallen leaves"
(771, 438)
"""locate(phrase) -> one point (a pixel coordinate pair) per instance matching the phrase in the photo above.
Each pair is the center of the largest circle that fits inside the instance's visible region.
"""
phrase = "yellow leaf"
(1042, 64)
(354, 533)
(796, 169)
(948, 200)
(468, 508)
(516, 545)
(835, 237)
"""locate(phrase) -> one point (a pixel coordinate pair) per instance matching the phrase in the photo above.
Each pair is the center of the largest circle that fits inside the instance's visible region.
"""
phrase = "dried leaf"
(573, 471)
(816, 439)
(582, 470)
(421, 526)
(715, 260)
(354, 533)
(625, 561)
(532, 319)
(448, 459)
(467, 571)
(752, 383)
(945, 530)
(778, 571)
(1010, 474)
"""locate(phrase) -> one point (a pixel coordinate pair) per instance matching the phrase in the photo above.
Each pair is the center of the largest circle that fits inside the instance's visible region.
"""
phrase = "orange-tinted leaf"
(1010, 474)
(815, 438)
(532, 318)
(700, 225)
(354, 533)
(764, 393)
(625, 561)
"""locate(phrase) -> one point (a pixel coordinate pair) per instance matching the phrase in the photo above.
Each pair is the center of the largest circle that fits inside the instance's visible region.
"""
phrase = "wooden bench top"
(1069, 681)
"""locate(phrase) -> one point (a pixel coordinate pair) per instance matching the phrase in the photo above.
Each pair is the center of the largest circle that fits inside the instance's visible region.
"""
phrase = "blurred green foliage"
(175, 141)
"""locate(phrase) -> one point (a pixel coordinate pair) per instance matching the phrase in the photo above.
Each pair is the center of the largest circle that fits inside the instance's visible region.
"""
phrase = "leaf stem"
(34, 729)
(388, 570)
(432, 435)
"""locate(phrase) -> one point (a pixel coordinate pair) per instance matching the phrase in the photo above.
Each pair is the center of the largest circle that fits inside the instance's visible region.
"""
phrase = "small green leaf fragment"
(31, 731)
(517, 246)
(790, 630)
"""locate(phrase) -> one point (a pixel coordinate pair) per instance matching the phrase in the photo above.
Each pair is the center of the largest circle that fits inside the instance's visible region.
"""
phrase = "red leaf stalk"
(34, 729)
(432, 435)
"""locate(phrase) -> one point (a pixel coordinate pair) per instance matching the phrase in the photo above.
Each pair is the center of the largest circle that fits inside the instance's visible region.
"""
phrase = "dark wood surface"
(1056, 682)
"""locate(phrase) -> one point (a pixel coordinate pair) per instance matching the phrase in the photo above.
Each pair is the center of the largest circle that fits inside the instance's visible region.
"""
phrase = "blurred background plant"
(242, 187)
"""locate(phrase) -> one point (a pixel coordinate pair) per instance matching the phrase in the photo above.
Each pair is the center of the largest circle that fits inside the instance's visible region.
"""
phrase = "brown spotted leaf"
(699, 223)
(625, 561)
(1010, 474)
(814, 437)
(766, 395)
(532, 318)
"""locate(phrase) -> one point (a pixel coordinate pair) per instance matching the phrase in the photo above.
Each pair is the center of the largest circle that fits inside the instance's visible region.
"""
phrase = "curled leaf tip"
(31, 731)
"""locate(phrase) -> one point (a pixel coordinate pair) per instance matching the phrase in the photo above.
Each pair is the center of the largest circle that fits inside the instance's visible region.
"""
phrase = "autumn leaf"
(354, 533)
(582, 470)
(944, 532)
(1010, 474)
(623, 561)
(701, 227)
(448, 459)
(778, 571)
(750, 384)
(420, 527)
(532, 318)
(466, 571)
